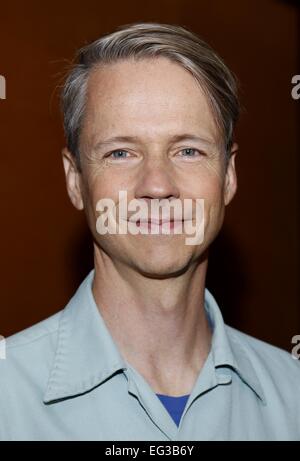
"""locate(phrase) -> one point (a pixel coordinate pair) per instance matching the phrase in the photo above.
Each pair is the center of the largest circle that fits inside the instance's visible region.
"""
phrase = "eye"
(190, 152)
(117, 154)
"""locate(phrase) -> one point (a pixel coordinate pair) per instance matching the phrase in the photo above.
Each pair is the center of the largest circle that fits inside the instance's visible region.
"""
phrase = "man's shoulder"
(32, 348)
(35, 333)
(24, 368)
(273, 365)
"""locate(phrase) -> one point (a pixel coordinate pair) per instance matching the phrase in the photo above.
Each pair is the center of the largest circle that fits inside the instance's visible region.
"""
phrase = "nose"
(156, 181)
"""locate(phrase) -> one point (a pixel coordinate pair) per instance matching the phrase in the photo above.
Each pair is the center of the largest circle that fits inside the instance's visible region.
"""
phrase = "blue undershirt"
(174, 405)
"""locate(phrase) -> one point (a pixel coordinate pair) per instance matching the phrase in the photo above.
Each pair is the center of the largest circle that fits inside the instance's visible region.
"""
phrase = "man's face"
(171, 149)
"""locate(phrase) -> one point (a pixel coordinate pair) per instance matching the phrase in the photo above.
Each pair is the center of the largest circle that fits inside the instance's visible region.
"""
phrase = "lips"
(156, 221)
(158, 225)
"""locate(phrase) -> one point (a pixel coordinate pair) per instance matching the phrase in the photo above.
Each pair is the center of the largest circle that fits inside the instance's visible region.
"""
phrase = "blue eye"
(190, 152)
(116, 154)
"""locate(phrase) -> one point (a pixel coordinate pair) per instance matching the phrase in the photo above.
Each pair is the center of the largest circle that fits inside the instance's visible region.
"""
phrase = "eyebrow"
(135, 139)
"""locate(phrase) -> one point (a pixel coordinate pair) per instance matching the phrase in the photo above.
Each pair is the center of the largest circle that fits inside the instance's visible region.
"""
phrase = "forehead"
(148, 97)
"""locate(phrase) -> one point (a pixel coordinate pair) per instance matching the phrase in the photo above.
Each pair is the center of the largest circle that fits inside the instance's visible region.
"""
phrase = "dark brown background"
(45, 249)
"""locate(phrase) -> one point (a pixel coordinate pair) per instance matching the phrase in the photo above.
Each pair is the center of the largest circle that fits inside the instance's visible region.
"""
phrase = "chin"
(162, 273)
(160, 267)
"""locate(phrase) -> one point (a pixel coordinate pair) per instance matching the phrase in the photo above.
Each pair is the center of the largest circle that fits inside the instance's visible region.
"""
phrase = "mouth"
(158, 223)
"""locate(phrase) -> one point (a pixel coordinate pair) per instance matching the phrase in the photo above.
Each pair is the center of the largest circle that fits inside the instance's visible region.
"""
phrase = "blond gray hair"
(146, 40)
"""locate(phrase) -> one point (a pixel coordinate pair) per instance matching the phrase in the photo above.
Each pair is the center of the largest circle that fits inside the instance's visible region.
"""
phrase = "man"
(141, 351)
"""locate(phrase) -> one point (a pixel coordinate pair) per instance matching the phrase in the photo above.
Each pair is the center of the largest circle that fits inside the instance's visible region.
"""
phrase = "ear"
(230, 186)
(73, 179)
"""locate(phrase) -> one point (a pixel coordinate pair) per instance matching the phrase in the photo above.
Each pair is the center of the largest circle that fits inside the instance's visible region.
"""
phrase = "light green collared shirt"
(65, 379)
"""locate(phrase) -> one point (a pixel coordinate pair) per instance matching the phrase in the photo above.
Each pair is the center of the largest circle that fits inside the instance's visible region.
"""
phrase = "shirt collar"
(227, 348)
(86, 354)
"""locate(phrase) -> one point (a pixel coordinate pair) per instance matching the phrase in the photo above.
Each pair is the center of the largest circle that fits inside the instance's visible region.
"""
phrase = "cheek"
(102, 188)
(210, 187)
(214, 211)
(207, 182)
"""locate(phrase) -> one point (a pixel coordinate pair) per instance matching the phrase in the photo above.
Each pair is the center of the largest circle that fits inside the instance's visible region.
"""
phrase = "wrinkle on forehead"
(148, 97)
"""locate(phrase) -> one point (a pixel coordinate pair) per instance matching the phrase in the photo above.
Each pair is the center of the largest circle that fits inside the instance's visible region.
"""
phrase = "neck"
(159, 325)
